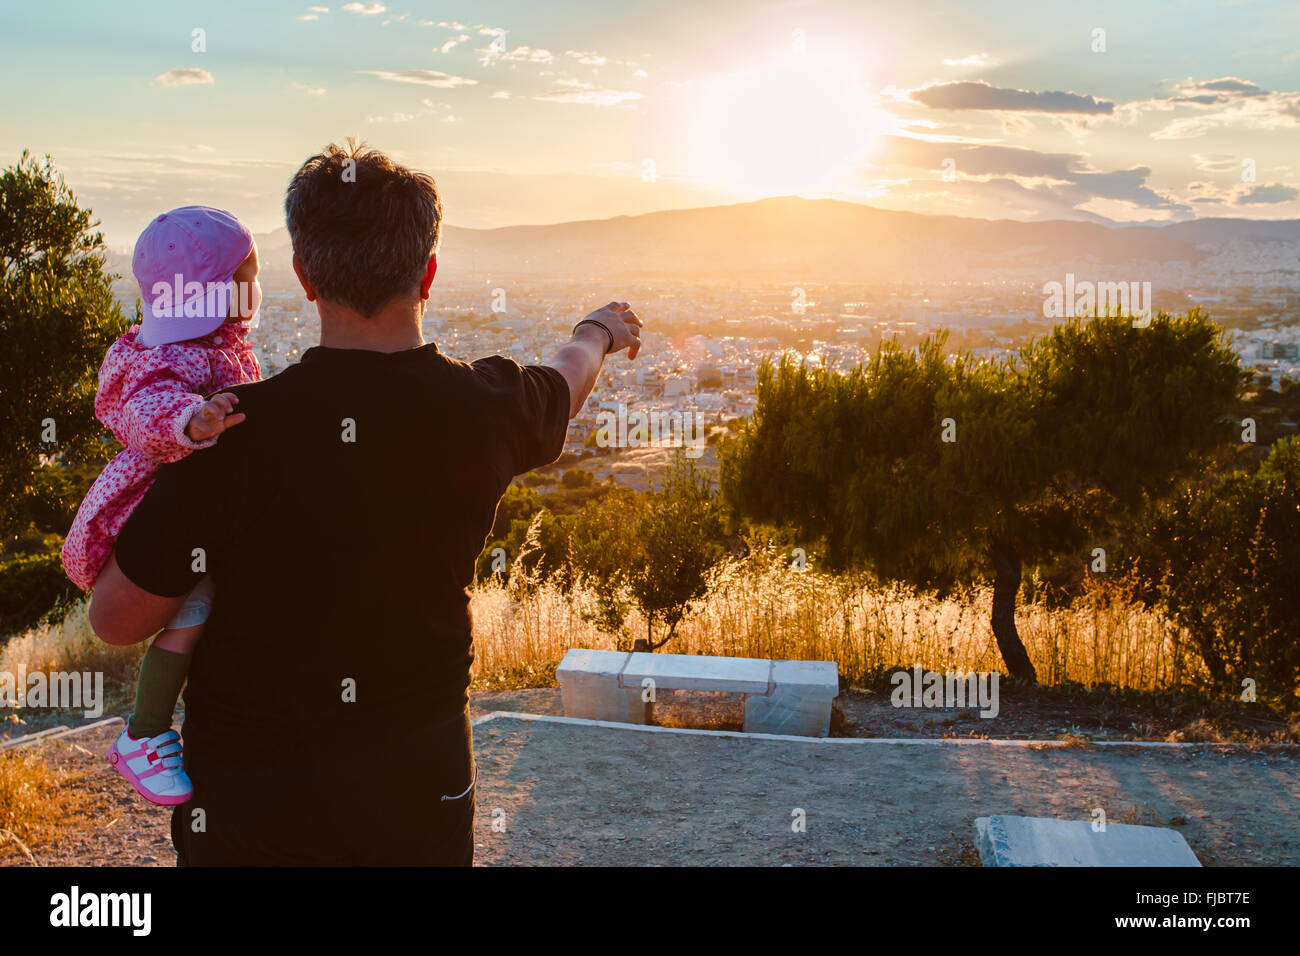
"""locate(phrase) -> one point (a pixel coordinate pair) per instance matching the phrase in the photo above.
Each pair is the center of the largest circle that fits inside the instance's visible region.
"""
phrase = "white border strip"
(54, 733)
(898, 741)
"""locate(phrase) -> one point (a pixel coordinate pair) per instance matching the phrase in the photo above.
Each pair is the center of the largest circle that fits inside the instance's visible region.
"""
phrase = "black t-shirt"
(341, 522)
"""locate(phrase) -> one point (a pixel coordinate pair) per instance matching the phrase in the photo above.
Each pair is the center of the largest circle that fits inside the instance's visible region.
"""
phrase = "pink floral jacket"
(146, 397)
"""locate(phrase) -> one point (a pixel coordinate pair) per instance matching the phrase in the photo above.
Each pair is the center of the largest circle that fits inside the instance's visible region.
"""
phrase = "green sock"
(162, 673)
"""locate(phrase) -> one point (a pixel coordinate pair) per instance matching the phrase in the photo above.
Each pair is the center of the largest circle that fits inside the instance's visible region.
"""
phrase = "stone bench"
(781, 697)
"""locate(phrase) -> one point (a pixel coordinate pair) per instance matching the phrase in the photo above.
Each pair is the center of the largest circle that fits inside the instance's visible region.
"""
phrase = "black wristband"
(600, 325)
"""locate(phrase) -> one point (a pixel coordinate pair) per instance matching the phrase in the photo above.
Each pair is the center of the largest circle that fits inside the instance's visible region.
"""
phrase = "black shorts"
(402, 796)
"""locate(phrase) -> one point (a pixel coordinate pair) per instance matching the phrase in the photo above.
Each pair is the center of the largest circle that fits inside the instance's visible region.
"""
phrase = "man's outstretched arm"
(580, 360)
(122, 612)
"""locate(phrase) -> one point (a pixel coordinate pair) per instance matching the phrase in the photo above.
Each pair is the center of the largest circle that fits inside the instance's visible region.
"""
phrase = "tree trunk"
(648, 644)
(1006, 585)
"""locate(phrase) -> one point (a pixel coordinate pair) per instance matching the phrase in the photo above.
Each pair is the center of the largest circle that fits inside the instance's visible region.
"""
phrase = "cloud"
(971, 59)
(521, 54)
(586, 59)
(1064, 180)
(453, 43)
(365, 9)
(1241, 194)
(1226, 102)
(1266, 193)
(183, 76)
(1016, 125)
(1269, 111)
(576, 91)
(979, 159)
(1216, 162)
(1214, 92)
(309, 90)
(970, 95)
(431, 108)
(1188, 128)
(423, 77)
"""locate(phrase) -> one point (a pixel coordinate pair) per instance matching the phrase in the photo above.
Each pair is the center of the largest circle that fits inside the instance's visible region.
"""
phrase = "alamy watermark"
(1084, 298)
(919, 688)
(69, 691)
(617, 428)
(181, 299)
(128, 910)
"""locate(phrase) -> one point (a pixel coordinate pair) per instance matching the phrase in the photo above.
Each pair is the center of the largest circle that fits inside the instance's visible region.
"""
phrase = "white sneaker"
(153, 766)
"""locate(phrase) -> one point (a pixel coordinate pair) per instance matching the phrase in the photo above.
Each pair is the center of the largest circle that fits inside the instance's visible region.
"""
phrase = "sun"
(792, 127)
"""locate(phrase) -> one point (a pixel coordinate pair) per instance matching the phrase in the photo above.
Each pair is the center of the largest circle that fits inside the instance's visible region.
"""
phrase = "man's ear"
(429, 272)
(302, 280)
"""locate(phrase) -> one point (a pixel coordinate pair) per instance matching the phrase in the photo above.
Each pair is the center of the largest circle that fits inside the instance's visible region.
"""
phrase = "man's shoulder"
(269, 392)
(497, 372)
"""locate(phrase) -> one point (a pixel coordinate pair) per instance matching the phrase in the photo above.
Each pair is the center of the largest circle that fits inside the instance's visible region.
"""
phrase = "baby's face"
(248, 291)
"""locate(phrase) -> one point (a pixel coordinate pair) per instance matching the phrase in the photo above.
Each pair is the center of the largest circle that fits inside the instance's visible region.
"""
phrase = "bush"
(32, 587)
(576, 478)
(1230, 551)
(652, 551)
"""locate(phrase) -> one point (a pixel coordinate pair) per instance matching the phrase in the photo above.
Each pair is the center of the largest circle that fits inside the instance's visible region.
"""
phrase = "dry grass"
(755, 607)
(759, 607)
(72, 646)
(36, 801)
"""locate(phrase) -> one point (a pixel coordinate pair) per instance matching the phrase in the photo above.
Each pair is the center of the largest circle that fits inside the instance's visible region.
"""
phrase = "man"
(326, 718)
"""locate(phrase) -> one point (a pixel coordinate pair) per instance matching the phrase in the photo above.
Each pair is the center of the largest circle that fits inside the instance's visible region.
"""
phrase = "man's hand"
(623, 324)
(214, 417)
(579, 361)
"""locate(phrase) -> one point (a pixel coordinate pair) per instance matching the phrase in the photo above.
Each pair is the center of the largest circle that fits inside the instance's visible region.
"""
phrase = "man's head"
(364, 229)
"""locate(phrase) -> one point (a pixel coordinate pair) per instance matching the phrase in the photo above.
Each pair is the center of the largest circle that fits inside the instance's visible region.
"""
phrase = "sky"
(529, 112)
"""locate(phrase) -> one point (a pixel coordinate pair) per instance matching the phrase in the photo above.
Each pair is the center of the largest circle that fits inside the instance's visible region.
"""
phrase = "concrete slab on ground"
(1039, 841)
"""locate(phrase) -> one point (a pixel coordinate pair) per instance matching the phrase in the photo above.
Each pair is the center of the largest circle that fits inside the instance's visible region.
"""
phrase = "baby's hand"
(214, 417)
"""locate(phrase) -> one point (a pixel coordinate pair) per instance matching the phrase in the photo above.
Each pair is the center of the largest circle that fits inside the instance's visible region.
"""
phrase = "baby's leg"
(166, 664)
(178, 640)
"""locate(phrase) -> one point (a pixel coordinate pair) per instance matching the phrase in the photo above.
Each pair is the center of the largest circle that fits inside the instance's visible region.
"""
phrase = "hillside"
(830, 239)
(820, 239)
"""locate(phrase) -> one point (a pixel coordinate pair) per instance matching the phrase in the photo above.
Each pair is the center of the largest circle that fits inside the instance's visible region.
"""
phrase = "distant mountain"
(1217, 231)
(822, 239)
(275, 241)
(830, 239)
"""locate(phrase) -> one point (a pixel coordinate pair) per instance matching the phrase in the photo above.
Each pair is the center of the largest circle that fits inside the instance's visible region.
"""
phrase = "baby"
(197, 271)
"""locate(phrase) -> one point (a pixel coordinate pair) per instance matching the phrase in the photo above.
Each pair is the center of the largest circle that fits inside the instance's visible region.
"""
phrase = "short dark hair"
(362, 226)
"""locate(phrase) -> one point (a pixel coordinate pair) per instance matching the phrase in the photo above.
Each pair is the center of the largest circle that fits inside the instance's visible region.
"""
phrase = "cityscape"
(705, 339)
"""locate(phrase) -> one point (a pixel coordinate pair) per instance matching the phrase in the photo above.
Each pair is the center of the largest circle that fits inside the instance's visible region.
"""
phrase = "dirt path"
(594, 796)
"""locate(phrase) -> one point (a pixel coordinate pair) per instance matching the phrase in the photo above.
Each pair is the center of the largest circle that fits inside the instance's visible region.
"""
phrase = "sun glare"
(792, 127)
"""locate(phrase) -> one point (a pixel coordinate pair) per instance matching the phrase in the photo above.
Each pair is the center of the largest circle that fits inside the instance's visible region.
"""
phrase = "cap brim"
(198, 316)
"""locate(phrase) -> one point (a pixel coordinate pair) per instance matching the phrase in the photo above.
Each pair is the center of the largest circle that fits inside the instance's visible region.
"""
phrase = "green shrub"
(1231, 550)
(32, 587)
